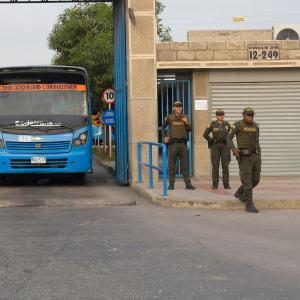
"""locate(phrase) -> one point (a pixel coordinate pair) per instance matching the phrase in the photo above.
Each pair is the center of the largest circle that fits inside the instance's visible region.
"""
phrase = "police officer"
(248, 154)
(219, 150)
(177, 138)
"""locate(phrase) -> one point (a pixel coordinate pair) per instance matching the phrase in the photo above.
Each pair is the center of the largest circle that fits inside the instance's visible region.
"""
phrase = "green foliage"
(163, 32)
(83, 36)
(104, 155)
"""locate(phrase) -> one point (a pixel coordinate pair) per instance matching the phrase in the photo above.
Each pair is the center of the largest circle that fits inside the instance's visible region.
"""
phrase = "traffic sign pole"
(108, 97)
(109, 137)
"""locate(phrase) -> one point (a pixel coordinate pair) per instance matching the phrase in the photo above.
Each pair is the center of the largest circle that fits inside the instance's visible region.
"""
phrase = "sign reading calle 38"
(264, 51)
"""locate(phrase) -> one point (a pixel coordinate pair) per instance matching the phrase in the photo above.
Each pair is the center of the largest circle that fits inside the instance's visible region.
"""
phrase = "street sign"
(108, 117)
(264, 51)
(239, 19)
(108, 96)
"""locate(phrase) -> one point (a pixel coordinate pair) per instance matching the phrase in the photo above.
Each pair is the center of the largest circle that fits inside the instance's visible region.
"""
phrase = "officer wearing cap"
(217, 142)
(248, 154)
(177, 138)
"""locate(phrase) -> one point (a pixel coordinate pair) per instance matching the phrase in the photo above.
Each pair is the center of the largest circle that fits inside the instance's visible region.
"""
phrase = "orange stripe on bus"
(42, 87)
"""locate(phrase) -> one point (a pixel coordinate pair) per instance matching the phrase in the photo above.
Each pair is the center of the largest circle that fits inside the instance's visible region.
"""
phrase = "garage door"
(277, 107)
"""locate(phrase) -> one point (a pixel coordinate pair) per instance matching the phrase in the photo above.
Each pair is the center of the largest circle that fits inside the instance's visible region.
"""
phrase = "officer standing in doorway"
(248, 154)
(219, 150)
(177, 138)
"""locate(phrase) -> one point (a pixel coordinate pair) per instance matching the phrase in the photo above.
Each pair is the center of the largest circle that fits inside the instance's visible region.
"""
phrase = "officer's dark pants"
(250, 168)
(220, 152)
(179, 150)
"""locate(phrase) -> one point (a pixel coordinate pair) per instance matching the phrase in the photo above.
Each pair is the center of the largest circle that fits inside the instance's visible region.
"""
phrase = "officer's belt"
(247, 152)
(219, 141)
(178, 141)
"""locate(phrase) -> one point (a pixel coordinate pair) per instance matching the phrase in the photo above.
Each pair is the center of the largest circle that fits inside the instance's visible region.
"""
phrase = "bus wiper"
(27, 128)
(67, 127)
(7, 126)
(62, 126)
(38, 128)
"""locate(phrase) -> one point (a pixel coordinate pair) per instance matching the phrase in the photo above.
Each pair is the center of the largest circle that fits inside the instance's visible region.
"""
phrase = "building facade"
(232, 70)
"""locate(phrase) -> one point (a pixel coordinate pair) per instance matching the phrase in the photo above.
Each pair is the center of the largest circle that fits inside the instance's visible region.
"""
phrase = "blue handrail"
(150, 164)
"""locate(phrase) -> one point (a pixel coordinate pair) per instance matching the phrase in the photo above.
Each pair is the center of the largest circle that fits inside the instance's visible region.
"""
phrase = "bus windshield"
(43, 99)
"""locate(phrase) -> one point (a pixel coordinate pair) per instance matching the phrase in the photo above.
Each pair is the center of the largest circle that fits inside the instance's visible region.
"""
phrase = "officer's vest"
(220, 131)
(247, 135)
(177, 128)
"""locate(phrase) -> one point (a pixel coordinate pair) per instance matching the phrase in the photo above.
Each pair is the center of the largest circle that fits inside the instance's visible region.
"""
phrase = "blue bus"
(45, 122)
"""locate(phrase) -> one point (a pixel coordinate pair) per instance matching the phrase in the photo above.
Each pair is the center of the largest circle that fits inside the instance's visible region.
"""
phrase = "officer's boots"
(250, 207)
(171, 186)
(215, 185)
(190, 187)
(239, 195)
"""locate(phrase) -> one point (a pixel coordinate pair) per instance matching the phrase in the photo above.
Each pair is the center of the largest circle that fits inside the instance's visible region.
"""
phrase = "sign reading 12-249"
(108, 96)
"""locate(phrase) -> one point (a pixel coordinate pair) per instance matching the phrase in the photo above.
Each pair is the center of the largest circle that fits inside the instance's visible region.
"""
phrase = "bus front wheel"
(2, 180)
(79, 178)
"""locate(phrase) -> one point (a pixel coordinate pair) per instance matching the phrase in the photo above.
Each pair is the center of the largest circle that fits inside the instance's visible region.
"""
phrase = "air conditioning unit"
(286, 32)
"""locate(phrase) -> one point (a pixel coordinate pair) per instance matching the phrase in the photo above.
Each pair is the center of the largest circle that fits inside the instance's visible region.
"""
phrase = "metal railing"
(162, 169)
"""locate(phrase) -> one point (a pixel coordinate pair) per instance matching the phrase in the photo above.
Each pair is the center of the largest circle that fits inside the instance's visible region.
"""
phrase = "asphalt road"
(147, 252)
(100, 190)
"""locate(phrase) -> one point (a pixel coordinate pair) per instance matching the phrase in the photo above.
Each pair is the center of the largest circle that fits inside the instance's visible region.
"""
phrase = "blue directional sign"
(108, 117)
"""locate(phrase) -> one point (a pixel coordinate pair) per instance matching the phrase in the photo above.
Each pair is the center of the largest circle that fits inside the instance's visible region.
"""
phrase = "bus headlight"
(83, 137)
(81, 140)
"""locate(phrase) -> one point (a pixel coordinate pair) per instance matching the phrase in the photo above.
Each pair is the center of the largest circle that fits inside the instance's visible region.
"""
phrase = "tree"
(83, 36)
(163, 32)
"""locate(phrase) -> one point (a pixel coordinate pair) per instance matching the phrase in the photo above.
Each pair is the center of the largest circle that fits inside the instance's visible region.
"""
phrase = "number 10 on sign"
(108, 96)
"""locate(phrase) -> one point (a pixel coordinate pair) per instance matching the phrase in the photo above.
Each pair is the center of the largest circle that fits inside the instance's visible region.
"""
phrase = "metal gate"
(277, 108)
(120, 79)
(170, 91)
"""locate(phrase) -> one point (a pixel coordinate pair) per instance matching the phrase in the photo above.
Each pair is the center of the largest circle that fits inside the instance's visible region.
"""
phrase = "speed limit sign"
(108, 96)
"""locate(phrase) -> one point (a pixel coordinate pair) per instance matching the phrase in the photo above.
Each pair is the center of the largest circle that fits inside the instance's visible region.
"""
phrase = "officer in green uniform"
(248, 154)
(177, 138)
(219, 150)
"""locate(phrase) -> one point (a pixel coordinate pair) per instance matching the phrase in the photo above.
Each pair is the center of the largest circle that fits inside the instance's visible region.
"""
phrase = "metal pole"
(164, 156)
(150, 167)
(104, 137)
(109, 136)
(98, 138)
(139, 146)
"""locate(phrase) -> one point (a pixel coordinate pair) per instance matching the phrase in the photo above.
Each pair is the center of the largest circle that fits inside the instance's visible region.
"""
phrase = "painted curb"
(153, 197)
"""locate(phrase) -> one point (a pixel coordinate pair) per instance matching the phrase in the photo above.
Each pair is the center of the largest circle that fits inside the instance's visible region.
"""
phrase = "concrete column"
(201, 119)
(142, 79)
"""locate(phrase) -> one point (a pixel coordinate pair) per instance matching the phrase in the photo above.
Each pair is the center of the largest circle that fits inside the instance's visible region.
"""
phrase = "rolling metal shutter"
(277, 108)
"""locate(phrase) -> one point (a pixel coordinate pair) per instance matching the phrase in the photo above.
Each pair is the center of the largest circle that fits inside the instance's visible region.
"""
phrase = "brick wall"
(229, 35)
(220, 51)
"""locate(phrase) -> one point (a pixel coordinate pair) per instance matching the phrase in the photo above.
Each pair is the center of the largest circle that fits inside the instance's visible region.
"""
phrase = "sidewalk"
(271, 193)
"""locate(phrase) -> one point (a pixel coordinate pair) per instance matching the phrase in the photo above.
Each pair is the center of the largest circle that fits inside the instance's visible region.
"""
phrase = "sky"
(24, 28)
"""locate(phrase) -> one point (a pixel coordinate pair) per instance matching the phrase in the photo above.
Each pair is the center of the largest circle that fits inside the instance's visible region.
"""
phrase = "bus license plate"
(38, 160)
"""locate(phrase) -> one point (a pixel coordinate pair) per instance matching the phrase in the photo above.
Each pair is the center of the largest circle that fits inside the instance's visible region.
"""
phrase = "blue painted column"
(120, 84)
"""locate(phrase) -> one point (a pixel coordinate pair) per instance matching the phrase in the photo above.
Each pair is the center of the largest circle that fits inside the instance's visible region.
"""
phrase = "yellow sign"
(239, 19)
(97, 120)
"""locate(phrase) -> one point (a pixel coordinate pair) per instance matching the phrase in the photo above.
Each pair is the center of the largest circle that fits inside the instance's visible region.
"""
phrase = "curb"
(104, 164)
(153, 197)
(79, 203)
